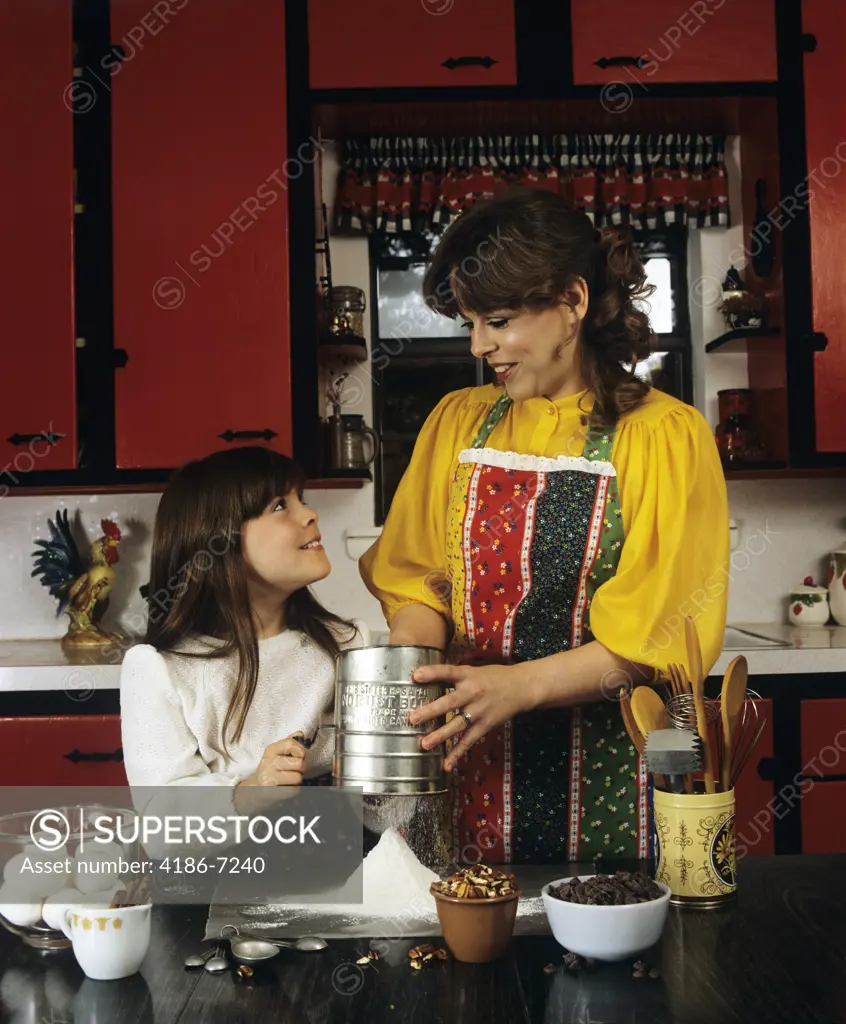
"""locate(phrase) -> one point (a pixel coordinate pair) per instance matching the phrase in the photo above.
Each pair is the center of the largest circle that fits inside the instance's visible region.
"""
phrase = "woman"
(554, 529)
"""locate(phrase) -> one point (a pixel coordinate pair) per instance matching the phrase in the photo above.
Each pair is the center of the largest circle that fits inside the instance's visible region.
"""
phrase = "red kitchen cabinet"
(382, 44)
(67, 750)
(825, 121)
(38, 409)
(823, 724)
(824, 818)
(754, 823)
(712, 41)
(200, 174)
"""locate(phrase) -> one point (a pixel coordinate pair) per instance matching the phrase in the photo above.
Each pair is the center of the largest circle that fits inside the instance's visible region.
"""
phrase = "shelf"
(782, 472)
(326, 483)
(756, 470)
(352, 351)
(343, 478)
(725, 340)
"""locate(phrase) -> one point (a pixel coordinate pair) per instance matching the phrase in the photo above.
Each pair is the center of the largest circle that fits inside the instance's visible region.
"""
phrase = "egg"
(96, 868)
(23, 915)
(103, 898)
(33, 850)
(55, 906)
(22, 881)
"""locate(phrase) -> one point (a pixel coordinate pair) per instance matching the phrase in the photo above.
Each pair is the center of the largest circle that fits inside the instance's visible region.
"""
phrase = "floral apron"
(529, 541)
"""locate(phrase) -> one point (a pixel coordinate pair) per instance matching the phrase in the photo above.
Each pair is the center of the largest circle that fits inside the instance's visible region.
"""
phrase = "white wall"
(708, 263)
(803, 520)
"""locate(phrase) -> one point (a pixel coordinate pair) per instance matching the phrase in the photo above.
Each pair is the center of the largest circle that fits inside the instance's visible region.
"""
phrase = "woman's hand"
(282, 764)
(490, 694)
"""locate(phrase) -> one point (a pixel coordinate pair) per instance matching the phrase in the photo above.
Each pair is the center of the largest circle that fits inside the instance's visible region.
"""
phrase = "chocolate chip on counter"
(550, 969)
(573, 962)
(654, 972)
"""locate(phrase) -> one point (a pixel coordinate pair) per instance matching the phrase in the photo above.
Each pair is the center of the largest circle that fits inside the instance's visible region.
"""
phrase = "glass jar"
(346, 310)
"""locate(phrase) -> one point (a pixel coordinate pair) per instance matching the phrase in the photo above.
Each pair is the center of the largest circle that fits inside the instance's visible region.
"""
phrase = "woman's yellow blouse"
(675, 559)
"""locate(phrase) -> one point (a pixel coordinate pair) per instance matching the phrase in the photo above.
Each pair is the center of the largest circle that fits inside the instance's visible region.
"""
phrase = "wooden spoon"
(648, 710)
(732, 696)
(635, 734)
(697, 682)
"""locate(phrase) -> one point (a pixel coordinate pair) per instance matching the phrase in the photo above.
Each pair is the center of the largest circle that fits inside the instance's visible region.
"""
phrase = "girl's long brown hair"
(198, 580)
(521, 250)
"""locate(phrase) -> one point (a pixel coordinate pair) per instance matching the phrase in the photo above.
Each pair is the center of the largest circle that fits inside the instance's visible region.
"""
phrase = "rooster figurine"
(78, 590)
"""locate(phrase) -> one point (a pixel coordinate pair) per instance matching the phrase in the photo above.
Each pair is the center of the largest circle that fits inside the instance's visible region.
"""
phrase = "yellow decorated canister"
(694, 847)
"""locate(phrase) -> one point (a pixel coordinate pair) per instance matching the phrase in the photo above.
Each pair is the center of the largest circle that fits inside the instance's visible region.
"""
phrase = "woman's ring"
(468, 718)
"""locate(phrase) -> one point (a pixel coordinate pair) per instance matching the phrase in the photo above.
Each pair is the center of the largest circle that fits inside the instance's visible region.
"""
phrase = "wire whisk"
(681, 712)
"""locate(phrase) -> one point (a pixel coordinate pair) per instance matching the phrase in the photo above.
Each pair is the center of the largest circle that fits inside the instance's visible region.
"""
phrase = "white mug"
(108, 944)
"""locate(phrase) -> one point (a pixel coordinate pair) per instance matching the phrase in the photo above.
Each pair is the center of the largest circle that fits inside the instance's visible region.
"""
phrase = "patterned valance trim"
(406, 183)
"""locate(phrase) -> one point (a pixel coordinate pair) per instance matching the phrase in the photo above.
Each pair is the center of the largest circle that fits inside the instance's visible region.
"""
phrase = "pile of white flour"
(394, 885)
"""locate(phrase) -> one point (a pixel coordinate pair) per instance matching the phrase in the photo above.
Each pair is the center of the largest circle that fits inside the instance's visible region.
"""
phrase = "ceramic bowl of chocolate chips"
(606, 917)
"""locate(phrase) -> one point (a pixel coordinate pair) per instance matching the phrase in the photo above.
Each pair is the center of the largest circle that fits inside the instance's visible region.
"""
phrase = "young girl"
(239, 655)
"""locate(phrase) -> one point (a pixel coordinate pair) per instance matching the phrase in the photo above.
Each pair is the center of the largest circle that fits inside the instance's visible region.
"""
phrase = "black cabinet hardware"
(76, 756)
(121, 358)
(18, 439)
(246, 435)
(621, 62)
(466, 62)
(817, 340)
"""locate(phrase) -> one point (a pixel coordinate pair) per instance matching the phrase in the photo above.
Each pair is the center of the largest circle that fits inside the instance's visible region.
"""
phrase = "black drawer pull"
(817, 340)
(17, 439)
(244, 435)
(466, 62)
(621, 62)
(76, 756)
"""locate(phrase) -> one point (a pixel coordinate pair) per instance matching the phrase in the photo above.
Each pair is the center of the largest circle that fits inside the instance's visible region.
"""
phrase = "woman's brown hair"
(198, 579)
(521, 250)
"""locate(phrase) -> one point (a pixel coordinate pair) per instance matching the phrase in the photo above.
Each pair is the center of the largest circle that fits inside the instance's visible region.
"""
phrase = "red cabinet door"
(825, 124)
(68, 750)
(200, 229)
(823, 725)
(713, 41)
(753, 823)
(824, 818)
(38, 408)
(380, 43)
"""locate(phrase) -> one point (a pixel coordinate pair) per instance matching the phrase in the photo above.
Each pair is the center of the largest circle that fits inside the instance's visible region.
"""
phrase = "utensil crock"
(695, 848)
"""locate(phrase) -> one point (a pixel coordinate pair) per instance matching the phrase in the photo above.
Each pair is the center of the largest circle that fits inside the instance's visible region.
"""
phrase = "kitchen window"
(419, 356)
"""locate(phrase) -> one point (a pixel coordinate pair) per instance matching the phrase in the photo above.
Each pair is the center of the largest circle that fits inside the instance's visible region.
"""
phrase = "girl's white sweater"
(172, 710)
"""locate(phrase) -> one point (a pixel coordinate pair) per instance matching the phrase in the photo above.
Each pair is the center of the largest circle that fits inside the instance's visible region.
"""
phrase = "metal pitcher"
(375, 747)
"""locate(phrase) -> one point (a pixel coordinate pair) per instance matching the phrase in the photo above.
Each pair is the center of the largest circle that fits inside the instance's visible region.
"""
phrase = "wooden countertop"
(775, 956)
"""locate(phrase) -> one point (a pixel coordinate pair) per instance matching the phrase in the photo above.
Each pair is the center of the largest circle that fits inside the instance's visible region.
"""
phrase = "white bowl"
(606, 933)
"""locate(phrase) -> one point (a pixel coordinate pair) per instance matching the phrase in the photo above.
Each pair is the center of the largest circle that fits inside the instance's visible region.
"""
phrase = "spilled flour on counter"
(396, 902)
(395, 885)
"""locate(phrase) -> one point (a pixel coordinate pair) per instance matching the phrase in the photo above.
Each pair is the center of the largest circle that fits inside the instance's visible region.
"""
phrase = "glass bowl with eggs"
(55, 858)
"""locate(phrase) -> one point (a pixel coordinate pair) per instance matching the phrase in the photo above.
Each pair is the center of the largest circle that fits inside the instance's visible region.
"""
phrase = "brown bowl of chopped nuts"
(477, 908)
